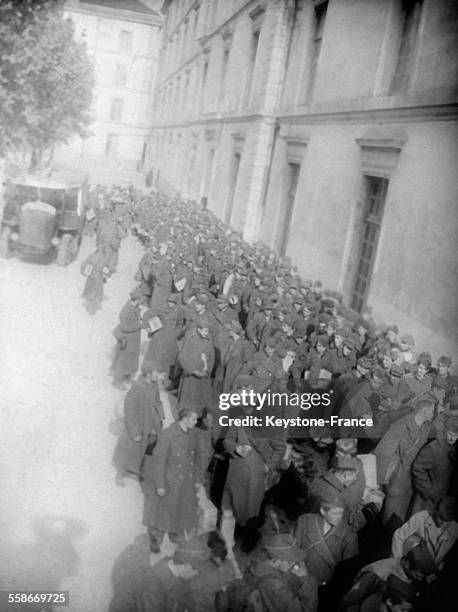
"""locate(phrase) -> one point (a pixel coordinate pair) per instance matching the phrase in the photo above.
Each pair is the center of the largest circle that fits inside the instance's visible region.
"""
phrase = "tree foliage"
(46, 77)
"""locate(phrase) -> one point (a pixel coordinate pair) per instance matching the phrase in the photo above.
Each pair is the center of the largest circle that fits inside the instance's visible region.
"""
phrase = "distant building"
(123, 40)
(327, 130)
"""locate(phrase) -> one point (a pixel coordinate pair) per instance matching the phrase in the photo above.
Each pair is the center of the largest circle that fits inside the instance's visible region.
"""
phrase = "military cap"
(322, 339)
(445, 361)
(408, 339)
(283, 546)
(424, 359)
(378, 372)
(397, 370)
(353, 340)
(329, 498)
(366, 363)
(300, 327)
(172, 298)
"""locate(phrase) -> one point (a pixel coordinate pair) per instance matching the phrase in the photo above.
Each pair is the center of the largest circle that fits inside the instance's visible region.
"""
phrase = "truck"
(43, 216)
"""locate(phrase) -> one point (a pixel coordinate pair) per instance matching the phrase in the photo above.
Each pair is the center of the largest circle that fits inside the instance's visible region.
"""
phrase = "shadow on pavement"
(41, 564)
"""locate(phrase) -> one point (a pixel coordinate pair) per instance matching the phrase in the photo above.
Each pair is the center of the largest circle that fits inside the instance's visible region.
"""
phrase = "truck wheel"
(64, 250)
(4, 241)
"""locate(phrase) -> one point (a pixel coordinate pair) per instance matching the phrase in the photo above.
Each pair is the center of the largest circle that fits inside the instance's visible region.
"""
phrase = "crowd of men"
(323, 517)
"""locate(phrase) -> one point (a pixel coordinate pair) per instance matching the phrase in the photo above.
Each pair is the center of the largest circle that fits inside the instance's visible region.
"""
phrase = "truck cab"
(43, 216)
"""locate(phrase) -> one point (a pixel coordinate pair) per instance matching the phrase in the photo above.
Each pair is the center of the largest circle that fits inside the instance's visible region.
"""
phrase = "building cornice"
(432, 112)
(118, 14)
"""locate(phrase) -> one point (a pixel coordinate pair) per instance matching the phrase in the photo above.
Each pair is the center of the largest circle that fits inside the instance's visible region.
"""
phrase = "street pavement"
(63, 521)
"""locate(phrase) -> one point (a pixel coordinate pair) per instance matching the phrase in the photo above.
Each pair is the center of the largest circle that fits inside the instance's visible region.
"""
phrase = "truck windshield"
(71, 199)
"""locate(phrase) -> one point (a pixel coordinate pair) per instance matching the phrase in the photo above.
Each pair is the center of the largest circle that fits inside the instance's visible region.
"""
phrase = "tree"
(46, 79)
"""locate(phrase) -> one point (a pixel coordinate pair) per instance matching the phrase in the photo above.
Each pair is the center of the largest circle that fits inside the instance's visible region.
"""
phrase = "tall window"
(375, 195)
(251, 67)
(222, 84)
(320, 19)
(116, 109)
(111, 145)
(235, 167)
(120, 77)
(204, 84)
(411, 20)
(125, 41)
(293, 172)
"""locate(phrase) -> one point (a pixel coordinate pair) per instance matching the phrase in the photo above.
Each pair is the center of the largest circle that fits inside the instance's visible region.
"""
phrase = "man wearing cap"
(419, 382)
(321, 361)
(280, 583)
(438, 528)
(196, 357)
(433, 469)
(251, 458)
(162, 351)
(344, 353)
(162, 282)
(325, 538)
(346, 480)
(128, 334)
(169, 478)
(95, 269)
(406, 354)
(395, 454)
(261, 327)
(444, 363)
(140, 584)
(262, 364)
(235, 352)
(143, 418)
(363, 405)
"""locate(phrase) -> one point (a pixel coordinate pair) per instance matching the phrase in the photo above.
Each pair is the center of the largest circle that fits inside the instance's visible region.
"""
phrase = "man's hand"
(160, 492)
(137, 438)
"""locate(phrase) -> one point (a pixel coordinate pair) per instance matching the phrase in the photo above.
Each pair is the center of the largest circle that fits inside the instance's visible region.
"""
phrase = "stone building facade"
(326, 130)
(123, 39)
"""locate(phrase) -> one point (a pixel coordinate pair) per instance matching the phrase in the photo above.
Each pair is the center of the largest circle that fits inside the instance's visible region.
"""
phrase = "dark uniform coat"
(142, 417)
(395, 454)
(93, 289)
(432, 473)
(323, 552)
(125, 361)
(196, 392)
(245, 484)
(328, 485)
(175, 467)
(162, 283)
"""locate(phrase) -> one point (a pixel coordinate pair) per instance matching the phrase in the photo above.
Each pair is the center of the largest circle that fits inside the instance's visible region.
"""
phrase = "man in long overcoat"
(395, 454)
(162, 351)
(196, 357)
(169, 482)
(128, 335)
(94, 268)
(162, 276)
(143, 418)
(251, 459)
(432, 470)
